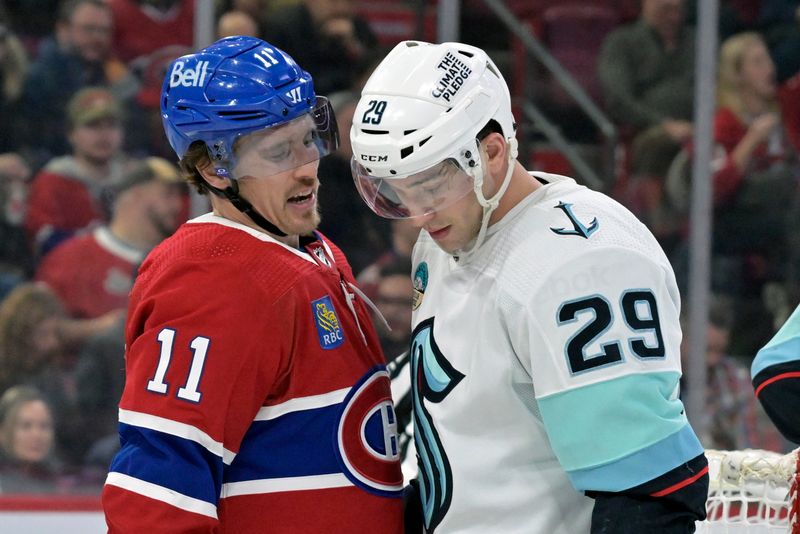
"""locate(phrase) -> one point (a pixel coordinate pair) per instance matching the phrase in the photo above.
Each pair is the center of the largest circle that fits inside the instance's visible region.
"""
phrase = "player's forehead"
(440, 170)
(298, 128)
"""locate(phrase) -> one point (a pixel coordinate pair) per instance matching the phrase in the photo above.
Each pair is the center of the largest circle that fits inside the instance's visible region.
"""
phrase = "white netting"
(752, 491)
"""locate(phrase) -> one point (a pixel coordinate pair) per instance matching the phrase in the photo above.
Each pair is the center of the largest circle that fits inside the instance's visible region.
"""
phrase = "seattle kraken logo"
(433, 378)
(578, 228)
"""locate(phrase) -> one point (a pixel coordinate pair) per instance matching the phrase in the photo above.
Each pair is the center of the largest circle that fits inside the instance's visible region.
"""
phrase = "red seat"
(574, 35)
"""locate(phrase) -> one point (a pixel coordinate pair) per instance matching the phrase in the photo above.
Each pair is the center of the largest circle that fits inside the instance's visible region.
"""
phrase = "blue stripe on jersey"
(642, 466)
(782, 348)
(169, 461)
(618, 417)
(295, 444)
(776, 354)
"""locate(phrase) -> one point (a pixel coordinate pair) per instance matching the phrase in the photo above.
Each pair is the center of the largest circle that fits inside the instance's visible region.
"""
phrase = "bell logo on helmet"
(456, 73)
(188, 77)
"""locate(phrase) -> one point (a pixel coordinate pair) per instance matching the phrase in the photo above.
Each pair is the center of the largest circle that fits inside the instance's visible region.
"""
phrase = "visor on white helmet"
(422, 193)
(289, 145)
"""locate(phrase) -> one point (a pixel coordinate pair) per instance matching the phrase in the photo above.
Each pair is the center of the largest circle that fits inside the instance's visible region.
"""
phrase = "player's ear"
(496, 150)
(209, 173)
(495, 160)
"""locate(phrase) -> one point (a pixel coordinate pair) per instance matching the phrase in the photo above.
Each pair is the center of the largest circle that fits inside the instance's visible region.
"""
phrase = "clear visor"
(415, 195)
(289, 145)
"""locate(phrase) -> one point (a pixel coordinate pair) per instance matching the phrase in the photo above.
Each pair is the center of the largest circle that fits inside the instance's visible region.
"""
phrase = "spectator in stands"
(756, 166)
(394, 296)
(142, 27)
(736, 420)
(38, 347)
(77, 56)
(403, 236)
(66, 195)
(13, 69)
(92, 273)
(362, 237)
(30, 333)
(326, 37)
(646, 71)
(259, 10)
(27, 437)
(16, 263)
(148, 35)
(236, 23)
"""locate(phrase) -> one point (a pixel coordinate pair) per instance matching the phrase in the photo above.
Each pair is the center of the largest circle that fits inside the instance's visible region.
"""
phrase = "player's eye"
(278, 153)
(310, 138)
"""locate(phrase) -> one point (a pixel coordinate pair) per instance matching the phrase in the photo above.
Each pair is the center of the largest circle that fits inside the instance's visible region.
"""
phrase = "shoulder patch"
(329, 329)
(420, 282)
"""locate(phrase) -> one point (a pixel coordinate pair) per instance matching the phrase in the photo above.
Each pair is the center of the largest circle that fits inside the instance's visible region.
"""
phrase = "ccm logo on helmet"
(189, 77)
(370, 157)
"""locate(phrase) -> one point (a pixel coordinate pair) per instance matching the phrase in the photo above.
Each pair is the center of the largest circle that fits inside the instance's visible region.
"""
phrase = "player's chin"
(302, 225)
(449, 245)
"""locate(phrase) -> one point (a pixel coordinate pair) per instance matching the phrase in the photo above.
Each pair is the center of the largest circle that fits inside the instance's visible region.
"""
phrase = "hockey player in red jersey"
(255, 399)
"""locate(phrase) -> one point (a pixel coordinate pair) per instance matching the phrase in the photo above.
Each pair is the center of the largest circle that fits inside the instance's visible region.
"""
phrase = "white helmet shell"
(425, 103)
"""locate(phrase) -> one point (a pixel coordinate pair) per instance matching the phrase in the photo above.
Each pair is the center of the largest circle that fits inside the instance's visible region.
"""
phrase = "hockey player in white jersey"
(545, 351)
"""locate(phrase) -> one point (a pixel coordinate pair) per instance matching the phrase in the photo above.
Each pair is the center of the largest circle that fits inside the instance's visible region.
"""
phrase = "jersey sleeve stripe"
(681, 484)
(642, 466)
(302, 403)
(275, 485)
(619, 416)
(299, 444)
(160, 493)
(782, 376)
(170, 462)
(775, 354)
(174, 428)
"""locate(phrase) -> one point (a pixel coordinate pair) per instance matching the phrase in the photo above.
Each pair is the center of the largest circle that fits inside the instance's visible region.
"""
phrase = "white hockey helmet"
(417, 122)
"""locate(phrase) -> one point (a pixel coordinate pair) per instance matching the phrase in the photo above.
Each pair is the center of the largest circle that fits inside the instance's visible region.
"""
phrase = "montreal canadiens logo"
(367, 436)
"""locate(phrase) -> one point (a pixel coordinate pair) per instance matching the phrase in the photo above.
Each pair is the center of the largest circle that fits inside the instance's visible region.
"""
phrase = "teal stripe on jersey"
(604, 422)
(642, 466)
(783, 347)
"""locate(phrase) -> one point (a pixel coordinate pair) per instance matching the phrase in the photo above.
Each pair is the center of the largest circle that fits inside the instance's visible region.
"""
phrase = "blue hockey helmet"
(237, 86)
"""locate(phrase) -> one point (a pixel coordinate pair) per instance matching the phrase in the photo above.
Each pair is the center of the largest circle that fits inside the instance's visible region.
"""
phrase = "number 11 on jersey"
(189, 392)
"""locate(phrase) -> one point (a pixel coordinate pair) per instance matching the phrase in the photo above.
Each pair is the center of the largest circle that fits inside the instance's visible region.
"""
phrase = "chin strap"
(490, 204)
(232, 194)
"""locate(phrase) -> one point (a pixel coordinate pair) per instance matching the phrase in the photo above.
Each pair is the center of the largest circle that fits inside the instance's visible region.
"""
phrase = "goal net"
(752, 491)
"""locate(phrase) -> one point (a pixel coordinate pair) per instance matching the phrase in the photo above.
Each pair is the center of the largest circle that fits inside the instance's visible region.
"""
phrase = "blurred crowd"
(88, 186)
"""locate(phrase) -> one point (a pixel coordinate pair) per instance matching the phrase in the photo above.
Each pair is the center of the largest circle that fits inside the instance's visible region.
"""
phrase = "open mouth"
(300, 199)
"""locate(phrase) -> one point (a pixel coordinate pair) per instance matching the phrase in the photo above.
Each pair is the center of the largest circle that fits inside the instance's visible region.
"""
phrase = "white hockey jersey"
(543, 365)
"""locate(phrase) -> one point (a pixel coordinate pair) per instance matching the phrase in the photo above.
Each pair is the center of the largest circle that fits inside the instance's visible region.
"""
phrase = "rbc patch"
(329, 330)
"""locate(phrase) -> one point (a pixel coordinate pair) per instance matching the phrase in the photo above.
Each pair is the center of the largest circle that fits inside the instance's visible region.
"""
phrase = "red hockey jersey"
(91, 273)
(256, 398)
(60, 203)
